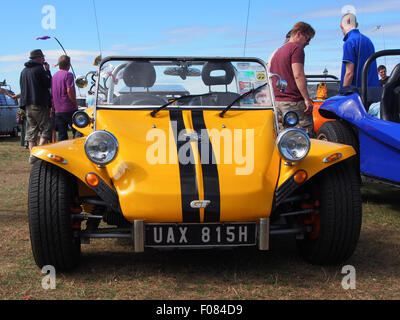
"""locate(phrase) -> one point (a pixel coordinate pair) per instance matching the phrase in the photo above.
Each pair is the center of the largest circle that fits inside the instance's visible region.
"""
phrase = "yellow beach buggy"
(185, 152)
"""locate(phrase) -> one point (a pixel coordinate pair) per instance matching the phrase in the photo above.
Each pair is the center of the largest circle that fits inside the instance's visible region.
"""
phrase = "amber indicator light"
(300, 176)
(92, 179)
(332, 157)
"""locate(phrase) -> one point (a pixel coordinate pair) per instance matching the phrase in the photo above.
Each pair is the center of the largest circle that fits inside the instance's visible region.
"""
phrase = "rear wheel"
(336, 223)
(50, 203)
(14, 132)
(337, 131)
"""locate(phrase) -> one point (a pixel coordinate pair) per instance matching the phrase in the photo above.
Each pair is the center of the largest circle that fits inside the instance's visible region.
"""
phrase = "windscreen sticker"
(261, 76)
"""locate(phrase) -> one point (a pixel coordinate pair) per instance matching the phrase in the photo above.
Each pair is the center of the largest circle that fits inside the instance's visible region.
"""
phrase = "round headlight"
(101, 147)
(291, 118)
(80, 119)
(293, 144)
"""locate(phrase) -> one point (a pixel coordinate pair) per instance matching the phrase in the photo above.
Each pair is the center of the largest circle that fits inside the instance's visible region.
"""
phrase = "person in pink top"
(64, 97)
(288, 62)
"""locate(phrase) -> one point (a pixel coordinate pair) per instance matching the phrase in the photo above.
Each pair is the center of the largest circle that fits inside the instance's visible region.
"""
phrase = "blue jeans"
(63, 120)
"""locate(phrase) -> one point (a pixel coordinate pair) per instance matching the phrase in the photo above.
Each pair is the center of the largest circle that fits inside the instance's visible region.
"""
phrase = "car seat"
(217, 98)
(139, 74)
(390, 102)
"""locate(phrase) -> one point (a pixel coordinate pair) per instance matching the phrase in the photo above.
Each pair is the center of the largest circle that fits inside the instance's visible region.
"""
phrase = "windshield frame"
(185, 59)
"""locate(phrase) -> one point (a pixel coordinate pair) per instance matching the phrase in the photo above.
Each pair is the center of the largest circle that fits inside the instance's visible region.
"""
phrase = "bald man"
(357, 48)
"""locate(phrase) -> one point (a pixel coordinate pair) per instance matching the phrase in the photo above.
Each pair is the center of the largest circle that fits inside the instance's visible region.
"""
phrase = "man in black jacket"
(35, 83)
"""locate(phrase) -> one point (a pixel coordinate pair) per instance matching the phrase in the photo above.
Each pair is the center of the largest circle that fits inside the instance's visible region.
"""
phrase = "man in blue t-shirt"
(357, 49)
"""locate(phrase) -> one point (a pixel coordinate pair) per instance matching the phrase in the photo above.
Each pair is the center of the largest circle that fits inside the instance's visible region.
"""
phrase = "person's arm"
(348, 76)
(46, 76)
(71, 89)
(12, 96)
(301, 82)
(72, 96)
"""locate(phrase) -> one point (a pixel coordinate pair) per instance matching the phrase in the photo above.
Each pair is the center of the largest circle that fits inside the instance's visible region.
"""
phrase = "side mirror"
(281, 84)
(81, 82)
(97, 61)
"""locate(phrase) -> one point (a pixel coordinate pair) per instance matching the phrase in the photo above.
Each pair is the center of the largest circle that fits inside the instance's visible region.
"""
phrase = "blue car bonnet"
(379, 139)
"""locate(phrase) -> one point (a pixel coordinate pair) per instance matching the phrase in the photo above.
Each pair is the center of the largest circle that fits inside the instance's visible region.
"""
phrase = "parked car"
(8, 112)
(377, 140)
(207, 168)
(81, 100)
(321, 87)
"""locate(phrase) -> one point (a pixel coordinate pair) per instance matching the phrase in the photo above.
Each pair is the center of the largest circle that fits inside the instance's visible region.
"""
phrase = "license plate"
(200, 234)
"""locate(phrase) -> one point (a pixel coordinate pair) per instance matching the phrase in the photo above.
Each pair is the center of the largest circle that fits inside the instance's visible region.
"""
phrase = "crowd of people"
(50, 101)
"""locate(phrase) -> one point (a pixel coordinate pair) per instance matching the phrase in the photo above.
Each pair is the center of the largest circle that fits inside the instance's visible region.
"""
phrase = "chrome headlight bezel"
(83, 116)
(283, 139)
(291, 118)
(111, 144)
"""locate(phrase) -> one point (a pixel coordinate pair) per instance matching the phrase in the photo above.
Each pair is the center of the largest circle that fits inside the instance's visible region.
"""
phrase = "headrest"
(139, 74)
(213, 66)
(394, 76)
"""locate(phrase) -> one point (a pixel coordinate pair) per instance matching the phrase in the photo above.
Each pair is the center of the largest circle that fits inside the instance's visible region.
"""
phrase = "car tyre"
(339, 217)
(78, 134)
(14, 132)
(49, 207)
(341, 132)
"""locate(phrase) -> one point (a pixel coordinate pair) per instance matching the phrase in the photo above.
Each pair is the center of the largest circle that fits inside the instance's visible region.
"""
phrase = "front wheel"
(336, 223)
(341, 132)
(49, 207)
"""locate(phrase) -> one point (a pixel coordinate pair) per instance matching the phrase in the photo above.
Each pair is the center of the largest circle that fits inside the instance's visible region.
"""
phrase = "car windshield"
(154, 82)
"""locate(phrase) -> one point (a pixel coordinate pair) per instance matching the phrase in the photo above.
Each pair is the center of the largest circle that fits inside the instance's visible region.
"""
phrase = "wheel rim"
(76, 222)
(313, 219)
(322, 136)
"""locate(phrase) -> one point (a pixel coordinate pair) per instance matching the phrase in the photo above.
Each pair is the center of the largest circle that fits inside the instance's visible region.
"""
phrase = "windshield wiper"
(240, 98)
(153, 113)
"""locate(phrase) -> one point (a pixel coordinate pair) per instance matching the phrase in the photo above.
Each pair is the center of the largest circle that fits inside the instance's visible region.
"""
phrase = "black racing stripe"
(209, 168)
(189, 189)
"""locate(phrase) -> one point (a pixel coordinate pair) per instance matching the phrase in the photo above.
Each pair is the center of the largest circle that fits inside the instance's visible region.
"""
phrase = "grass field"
(109, 269)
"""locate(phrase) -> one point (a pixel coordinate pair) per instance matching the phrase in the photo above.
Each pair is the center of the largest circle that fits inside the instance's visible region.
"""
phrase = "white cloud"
(77, 56)
(118, 46)
(370, 7)
(193, 32)
(198, 30)
(324, 13)
(15, 57)
(144, 48)
(380, 6)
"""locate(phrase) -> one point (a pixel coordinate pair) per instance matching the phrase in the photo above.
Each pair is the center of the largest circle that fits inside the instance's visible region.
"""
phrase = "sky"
(185, 28)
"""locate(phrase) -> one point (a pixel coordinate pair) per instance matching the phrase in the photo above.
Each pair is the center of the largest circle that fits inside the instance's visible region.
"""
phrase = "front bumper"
(137, 233)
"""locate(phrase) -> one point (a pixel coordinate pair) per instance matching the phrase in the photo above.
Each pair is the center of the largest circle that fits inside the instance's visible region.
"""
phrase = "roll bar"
(364, 75)
(314, 76)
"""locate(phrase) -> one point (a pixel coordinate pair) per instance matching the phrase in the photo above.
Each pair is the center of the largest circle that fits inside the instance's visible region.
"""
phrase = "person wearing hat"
(35, 83)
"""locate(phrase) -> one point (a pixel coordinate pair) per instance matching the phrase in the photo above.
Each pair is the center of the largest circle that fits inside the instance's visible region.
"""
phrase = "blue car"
(376, 140)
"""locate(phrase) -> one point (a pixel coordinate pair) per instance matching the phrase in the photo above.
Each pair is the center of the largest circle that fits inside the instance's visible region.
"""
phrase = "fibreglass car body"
(377, 140)
(203, 166)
